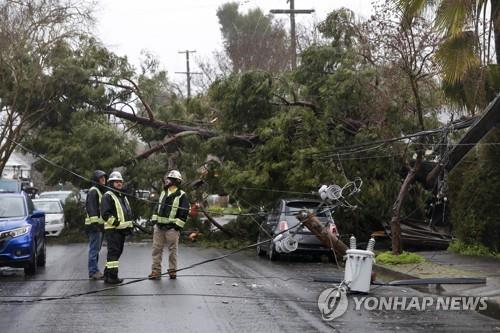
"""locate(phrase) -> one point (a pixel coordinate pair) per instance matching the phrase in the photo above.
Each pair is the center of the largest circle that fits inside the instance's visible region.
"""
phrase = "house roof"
(18, 159)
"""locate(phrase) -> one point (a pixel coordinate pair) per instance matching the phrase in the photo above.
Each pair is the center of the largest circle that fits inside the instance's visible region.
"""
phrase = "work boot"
(112, 277)
(96, 276)
(113, 280)
(172, 274)
(154, 275)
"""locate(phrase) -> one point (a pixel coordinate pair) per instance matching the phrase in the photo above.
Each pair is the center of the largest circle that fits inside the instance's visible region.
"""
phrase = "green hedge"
(475, 196)
(388, 258)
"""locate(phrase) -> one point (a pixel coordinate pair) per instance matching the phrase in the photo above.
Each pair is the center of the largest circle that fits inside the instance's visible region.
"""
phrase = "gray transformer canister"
(358, 270)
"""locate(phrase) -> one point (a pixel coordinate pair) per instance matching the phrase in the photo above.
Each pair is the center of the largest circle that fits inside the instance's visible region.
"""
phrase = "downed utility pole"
(418, 232)
(327, 238)
(489, 119)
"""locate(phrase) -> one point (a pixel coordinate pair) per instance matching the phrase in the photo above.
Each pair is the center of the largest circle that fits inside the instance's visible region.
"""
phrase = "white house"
(18, 166)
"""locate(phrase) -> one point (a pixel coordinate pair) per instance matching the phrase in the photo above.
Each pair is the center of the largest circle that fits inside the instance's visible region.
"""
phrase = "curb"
(493, 310)
(394, 274)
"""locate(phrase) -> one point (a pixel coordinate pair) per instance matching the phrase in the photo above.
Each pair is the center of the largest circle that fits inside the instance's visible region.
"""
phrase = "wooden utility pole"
(326, 238)
(188, 72)
(292, 11)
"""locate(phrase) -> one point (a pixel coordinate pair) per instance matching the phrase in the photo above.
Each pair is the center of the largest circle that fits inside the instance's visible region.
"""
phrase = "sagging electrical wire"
(353, 158)
(42, 299)
(336, 196)
(255, 220)
(352, 152)
(457, 125)
(41, 156)
(277, 191)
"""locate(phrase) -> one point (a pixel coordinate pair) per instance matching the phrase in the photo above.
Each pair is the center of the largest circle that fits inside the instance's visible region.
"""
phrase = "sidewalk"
(451, 265)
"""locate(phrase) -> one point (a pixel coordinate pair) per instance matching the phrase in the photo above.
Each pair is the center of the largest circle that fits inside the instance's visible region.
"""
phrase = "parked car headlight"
(15, 232)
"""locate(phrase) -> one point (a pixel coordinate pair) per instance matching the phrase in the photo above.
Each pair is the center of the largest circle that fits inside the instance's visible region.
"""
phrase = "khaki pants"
(161, 238)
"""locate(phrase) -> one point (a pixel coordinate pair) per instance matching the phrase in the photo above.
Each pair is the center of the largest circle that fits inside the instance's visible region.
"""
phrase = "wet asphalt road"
(242, 293)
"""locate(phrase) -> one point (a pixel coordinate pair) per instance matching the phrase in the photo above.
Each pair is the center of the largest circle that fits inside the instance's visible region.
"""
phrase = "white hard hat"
(175, 175)
(115, 175)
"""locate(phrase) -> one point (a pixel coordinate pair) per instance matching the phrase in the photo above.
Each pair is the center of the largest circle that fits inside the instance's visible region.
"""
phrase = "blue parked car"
(22, 233)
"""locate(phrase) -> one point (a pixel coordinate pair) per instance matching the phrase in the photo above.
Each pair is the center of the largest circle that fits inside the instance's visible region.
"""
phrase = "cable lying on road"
(179, 275)
(205, 295)
(55, 298)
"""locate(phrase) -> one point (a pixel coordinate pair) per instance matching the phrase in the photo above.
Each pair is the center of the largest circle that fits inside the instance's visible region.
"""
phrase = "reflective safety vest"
(119, 212)
(171, 219)
(94, 219)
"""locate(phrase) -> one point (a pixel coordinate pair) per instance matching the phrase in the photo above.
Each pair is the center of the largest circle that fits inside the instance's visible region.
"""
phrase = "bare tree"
(212, 69)
(29, 31)
(406, 46)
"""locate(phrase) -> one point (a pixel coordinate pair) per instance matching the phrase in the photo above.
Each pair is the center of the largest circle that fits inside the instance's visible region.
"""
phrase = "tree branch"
(135, 89)
(160, 146)
(241, 140)
(286, 102)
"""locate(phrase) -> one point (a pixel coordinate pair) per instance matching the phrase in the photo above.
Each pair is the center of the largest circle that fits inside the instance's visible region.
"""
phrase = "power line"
(54, 298)
(457, 125)
(219, 276)
(334, 157)
(156, 294)
(272, 190)
(41, 156)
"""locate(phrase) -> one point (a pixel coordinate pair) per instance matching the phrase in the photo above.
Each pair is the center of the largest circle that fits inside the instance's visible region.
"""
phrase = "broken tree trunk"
(396, 208)
(328, 239)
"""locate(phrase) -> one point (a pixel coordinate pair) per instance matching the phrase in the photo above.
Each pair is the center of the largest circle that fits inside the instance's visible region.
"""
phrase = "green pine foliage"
(340, 95)
(84, 144)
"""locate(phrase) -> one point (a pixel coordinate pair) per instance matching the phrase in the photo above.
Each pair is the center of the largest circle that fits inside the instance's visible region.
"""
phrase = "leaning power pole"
(292, 11)
(188, 72)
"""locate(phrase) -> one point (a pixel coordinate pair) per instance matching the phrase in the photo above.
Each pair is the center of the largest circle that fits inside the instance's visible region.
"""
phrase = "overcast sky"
(164, 27)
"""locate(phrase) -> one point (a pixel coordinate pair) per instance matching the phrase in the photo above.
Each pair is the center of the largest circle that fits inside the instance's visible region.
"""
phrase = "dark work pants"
(115, 239)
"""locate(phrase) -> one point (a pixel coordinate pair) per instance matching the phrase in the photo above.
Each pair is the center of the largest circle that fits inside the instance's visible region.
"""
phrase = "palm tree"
(465, 56)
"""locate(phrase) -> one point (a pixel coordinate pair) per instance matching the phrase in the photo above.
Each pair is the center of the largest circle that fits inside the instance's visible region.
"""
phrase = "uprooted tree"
(267, 133)
(271, 131)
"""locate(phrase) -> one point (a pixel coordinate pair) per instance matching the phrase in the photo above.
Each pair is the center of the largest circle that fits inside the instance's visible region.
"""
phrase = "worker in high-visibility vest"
(169, 217)
(117, 216)
(94, 224)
